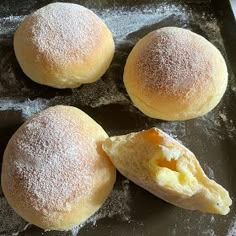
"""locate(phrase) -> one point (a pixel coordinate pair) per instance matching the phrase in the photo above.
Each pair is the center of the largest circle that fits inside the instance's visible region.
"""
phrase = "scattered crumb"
(209, 171)
(233, 88)
(223, 117)
(212, 220)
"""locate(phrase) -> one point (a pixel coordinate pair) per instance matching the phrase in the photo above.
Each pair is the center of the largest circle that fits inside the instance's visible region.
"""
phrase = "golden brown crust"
(54, 172)
(63, 45)
(175, 74)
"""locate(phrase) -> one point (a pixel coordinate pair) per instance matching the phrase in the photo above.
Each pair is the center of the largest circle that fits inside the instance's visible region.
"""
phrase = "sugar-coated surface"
(173, 62)
(202, 135)
(50, 161)
(62, 33)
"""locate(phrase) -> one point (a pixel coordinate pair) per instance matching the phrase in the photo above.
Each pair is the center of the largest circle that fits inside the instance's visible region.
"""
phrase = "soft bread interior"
(164, 167)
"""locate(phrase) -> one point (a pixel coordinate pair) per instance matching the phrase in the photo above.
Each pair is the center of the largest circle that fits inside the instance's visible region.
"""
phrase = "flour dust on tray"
(142, 19)
(10, 222)
(232, 228)
(117, 205)
(8, 24)
(27, 107)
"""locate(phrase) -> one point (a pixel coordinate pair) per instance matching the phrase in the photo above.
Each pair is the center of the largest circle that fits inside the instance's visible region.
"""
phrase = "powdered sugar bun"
(175, 74)
(54, 173)
(63, 45)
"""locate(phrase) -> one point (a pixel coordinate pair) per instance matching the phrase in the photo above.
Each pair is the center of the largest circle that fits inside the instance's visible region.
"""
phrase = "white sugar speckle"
(53, 139)
(62, 33)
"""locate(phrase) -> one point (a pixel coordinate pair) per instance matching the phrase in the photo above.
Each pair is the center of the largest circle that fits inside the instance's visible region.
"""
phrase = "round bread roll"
(63, 45)
(175, 74)
(54, 172)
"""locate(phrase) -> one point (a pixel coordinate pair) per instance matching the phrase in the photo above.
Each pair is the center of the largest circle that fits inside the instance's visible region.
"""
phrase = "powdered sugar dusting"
(50, 141)
(117, 205)
(62, 32)
(128, 26)
(150, 16)
(176, 55)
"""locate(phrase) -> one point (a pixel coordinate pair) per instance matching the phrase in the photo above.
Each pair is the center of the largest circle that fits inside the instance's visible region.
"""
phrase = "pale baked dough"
(175, 74)
(54, 172)
(63, 45)
(164, 167)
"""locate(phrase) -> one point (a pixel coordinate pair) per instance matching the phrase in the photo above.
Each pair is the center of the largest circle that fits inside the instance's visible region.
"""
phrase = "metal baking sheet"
(130, 210)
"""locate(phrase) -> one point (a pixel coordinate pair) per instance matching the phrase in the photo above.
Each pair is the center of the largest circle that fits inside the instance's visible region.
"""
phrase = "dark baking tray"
(131, 210)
